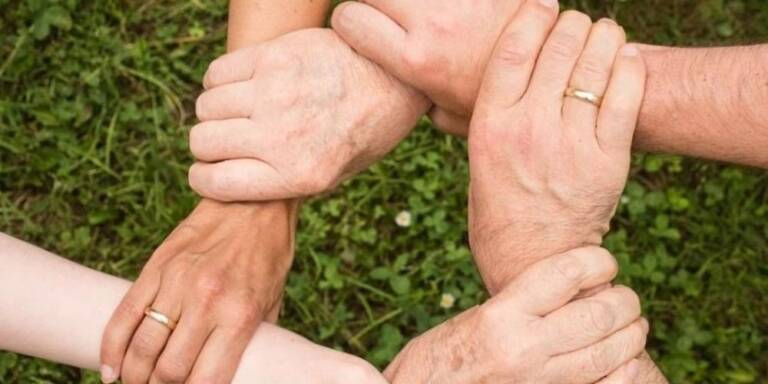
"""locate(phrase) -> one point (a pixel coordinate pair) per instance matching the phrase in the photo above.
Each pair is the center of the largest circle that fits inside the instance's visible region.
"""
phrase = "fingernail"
(633, 369)
(608, 21)
(107, 374)
(629, 50)
(549, 3)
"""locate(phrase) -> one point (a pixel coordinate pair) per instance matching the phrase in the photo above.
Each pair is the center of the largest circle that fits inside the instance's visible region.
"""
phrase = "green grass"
(95, 102)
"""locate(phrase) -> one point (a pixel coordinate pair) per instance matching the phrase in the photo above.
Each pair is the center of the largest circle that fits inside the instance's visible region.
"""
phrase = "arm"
(707, 102)
(703, 102)
(224, 266)
(255, 21)
(55, 309)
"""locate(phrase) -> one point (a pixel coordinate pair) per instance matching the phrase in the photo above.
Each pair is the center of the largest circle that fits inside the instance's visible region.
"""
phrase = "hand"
(277, 356)
(294, 117)
(547, 171)
(219, 274)
(536, 331)
(439, 47)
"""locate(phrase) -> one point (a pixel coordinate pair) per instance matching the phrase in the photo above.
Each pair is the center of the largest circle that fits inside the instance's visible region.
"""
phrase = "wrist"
(505, 251)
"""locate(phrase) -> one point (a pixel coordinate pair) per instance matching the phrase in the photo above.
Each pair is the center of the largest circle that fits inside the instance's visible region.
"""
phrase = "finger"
(240, 180)
(593, 291)
(509, 70)
(124, 322)
(373, 34)
(229, 101)
(551, 283)
(220, 140)
(232, 68)
(582, 323)
(592, 73)
(151, 337)
(590, 364)
(401, 11)
(627, 374)
(558, 58)
(178, 358)
(449, 122)
(220, 356)
(618, 115)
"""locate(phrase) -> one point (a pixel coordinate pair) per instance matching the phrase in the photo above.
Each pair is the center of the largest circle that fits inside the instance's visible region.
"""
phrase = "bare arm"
(254, 21)
(707, 102)
(55, 309)
(242, 254)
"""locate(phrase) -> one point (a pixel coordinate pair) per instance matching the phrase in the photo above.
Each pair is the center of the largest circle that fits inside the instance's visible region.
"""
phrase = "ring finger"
(592, 74)
(151, 337)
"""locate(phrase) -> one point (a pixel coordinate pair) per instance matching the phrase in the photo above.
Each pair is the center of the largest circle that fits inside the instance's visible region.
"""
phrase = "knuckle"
(592, 70)
(144, 346)
(629, 298)
(490, 315)
(172, 371)
(443, 24)
(601, 317)
(416, 59)
(510, 52)
(245, 318)
(127, 309)
(565, 45)
(601, 359)
(210, 287)
(568, 268)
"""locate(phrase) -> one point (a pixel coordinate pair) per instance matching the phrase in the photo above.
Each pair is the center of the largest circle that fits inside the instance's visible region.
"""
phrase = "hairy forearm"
(707, 102)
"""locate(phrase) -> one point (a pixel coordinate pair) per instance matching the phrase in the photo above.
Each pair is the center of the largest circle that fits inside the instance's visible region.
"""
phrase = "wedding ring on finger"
(160, 318)
(585, 96)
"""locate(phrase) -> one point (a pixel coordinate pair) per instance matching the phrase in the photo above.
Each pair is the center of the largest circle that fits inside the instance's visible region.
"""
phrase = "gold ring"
(160, 318)
(585, 96)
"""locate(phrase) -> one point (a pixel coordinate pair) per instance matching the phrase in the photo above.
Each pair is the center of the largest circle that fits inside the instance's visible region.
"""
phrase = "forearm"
(707, 102)
(254, 21)
(55, 309)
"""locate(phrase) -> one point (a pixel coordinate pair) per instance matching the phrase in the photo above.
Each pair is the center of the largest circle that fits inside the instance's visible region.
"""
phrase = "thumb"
(239, 180)
(372, 34)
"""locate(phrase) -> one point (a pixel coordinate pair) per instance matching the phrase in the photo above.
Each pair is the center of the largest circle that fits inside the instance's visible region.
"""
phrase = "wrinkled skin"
(294, 117)
(220, 274)
(439, 47)
(536, 331)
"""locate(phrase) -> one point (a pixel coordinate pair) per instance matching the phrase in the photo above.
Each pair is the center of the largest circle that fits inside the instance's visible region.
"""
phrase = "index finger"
(511, 66)
(123, 324)
(553, 282)
(232, 67)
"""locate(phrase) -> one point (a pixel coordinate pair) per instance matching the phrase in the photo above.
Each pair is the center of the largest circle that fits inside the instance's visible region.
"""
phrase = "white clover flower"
(403, 219)
(447, 301)
(625, 199)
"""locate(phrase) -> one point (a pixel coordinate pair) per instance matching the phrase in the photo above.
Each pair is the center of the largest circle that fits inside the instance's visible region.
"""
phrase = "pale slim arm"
(54, 309)
(707, 102)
